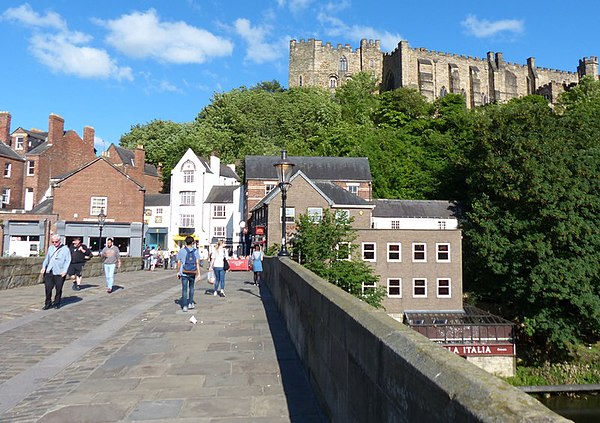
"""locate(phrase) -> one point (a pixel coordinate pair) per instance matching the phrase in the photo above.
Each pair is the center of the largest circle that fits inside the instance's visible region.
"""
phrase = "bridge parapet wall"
(365, 366)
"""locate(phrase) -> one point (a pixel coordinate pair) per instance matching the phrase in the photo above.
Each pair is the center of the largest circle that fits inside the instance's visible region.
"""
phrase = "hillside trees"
(533, 212)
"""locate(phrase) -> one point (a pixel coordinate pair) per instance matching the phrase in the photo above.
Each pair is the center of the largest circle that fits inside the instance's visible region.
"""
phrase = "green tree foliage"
(358, 98)
(532, 238)
(324, 245)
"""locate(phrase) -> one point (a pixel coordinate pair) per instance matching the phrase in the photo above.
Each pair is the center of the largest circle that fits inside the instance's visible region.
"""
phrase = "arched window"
(300, 81)
(332, 82)
(443, 92)
(188, 169)
(343, 64)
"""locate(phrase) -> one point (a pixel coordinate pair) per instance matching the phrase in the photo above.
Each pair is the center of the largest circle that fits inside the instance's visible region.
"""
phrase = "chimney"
(88, 136)
(5, 127)
(56, 129)
(139, 157)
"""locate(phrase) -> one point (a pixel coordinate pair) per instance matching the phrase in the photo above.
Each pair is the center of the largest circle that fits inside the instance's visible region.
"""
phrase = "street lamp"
(284, 171)
(101, 221)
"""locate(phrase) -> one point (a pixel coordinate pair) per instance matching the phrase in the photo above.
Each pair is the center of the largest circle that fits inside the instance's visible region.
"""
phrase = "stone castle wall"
(433, 73)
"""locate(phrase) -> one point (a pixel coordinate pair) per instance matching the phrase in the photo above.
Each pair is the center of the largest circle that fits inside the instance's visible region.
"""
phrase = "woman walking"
(217, 264)
(257, 267)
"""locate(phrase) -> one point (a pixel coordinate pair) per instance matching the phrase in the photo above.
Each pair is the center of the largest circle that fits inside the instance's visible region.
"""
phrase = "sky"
(114, 64)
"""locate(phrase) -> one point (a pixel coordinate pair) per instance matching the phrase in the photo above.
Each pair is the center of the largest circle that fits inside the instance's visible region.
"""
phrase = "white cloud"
(335, 27)
(295, 6)
(65, 51)
(143, 35)
(26, 15)
(259, 51)
(484, 28)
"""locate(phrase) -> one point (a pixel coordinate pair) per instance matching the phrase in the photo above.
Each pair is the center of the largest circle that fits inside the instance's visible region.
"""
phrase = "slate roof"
(127, 157)
(339, 195)
(59, 178)
(316, 168)
(221, 194)
(6, 151)
(45, 207)
(438, 209)
(157, 200)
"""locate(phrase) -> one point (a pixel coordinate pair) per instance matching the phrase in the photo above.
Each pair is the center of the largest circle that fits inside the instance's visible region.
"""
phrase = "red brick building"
(133, 163)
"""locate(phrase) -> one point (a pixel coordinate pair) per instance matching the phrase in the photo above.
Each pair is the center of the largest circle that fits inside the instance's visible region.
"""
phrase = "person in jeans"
(217, 265)
(111, 258)
(54, 268)
(184, 273)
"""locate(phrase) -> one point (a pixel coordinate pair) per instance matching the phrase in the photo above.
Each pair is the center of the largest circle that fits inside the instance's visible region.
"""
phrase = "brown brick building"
(133, 163)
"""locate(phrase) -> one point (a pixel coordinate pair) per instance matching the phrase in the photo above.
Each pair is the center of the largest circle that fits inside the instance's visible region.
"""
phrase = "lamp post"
(284, 171)
(101, 221)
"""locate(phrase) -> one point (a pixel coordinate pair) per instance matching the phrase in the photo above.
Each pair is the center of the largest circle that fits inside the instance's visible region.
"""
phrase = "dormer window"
(18, 143)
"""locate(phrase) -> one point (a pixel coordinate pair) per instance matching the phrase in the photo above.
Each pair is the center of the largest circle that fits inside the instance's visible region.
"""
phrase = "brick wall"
(14, 181)
(72, 197)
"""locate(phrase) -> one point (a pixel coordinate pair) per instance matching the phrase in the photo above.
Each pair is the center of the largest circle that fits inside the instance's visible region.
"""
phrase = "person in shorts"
(79, 255)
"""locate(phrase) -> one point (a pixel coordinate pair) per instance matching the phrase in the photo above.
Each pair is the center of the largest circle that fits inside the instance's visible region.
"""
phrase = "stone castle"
(434, 74)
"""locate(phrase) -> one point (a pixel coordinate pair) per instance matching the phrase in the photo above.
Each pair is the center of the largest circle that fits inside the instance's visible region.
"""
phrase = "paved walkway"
(133, 355)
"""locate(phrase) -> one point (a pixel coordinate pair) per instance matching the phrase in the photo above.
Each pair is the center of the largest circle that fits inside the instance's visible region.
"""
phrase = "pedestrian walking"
(188, 271)
(79, 254)
(111, 258)
(217, 265)
(54, 268)
(257, 263)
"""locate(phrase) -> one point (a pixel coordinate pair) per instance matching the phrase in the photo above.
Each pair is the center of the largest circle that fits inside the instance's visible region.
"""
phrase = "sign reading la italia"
(467, 350)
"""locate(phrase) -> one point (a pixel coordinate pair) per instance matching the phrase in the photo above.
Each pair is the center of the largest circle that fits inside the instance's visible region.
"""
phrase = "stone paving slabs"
(134, 355)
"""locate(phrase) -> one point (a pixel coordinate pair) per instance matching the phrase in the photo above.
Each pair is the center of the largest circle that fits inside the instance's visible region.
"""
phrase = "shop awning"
(182, 237)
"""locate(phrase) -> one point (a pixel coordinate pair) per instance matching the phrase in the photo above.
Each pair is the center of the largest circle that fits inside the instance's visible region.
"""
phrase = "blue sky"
(112, 64)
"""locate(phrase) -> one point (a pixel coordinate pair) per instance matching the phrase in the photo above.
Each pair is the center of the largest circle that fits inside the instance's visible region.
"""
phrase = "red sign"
(238, 264)
(260, 230)
(487, 349)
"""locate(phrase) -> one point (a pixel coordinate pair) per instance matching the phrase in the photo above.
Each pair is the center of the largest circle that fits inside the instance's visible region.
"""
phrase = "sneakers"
(109, 290)
(184, 308)
(215, 293)
(76, 287)
(191, 306)
(222, 293)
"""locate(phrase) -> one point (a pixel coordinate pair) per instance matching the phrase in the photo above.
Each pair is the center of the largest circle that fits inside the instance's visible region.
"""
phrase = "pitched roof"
(45, 207)
(60, 178)
(7, 151)
(221, 194)
(128, 157)
(316, 168)
(157, 200)
(439, 209)
(332, 193)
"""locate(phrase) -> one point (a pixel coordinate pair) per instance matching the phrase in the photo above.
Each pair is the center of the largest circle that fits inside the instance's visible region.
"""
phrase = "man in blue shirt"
(54, 268)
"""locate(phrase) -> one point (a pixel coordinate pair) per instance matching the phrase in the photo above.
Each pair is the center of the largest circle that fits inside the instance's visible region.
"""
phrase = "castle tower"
(588, 66)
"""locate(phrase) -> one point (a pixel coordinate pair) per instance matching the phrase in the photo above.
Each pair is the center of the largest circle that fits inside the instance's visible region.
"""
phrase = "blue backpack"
(189, 265)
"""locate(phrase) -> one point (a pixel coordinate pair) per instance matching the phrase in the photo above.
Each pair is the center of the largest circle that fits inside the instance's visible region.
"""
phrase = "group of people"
(63, 261)
(189, 265)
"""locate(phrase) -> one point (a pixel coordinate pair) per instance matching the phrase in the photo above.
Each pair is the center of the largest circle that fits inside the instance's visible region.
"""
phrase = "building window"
(332, 82)
(443, 288)
(394, 287)
(219, 211)
(419, 288)
(157, 219)
(395, 224)
(290, 214)
(368, 251)
(159, 210)
(365, 287)
(353, 188)
(394, 251)
(188, 198)
(443, 252)
(188, 176)
(186, 220)
(342, 214)
(7, 169)
(30, 168)
(97, 205)
(343, 251)
(343, 65)
(219, 231)
(5, 195)
(419, 252)
(315, 213)
(441, 224)
(18, 143)
(269, 186)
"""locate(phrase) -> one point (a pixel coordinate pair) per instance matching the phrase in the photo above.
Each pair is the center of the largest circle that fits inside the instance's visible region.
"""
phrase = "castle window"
(300, 82)
(332, 82)
(343, 64)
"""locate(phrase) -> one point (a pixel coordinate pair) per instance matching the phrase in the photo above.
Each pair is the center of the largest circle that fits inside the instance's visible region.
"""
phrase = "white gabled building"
(206, 201)
(414, 214)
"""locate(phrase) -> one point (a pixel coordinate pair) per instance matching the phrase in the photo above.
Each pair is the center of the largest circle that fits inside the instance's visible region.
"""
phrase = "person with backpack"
(188, 268)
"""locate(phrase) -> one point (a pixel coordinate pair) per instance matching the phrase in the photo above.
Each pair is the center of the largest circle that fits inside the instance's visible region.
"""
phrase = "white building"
(206, 202)
(157, 212)
(414, 214)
